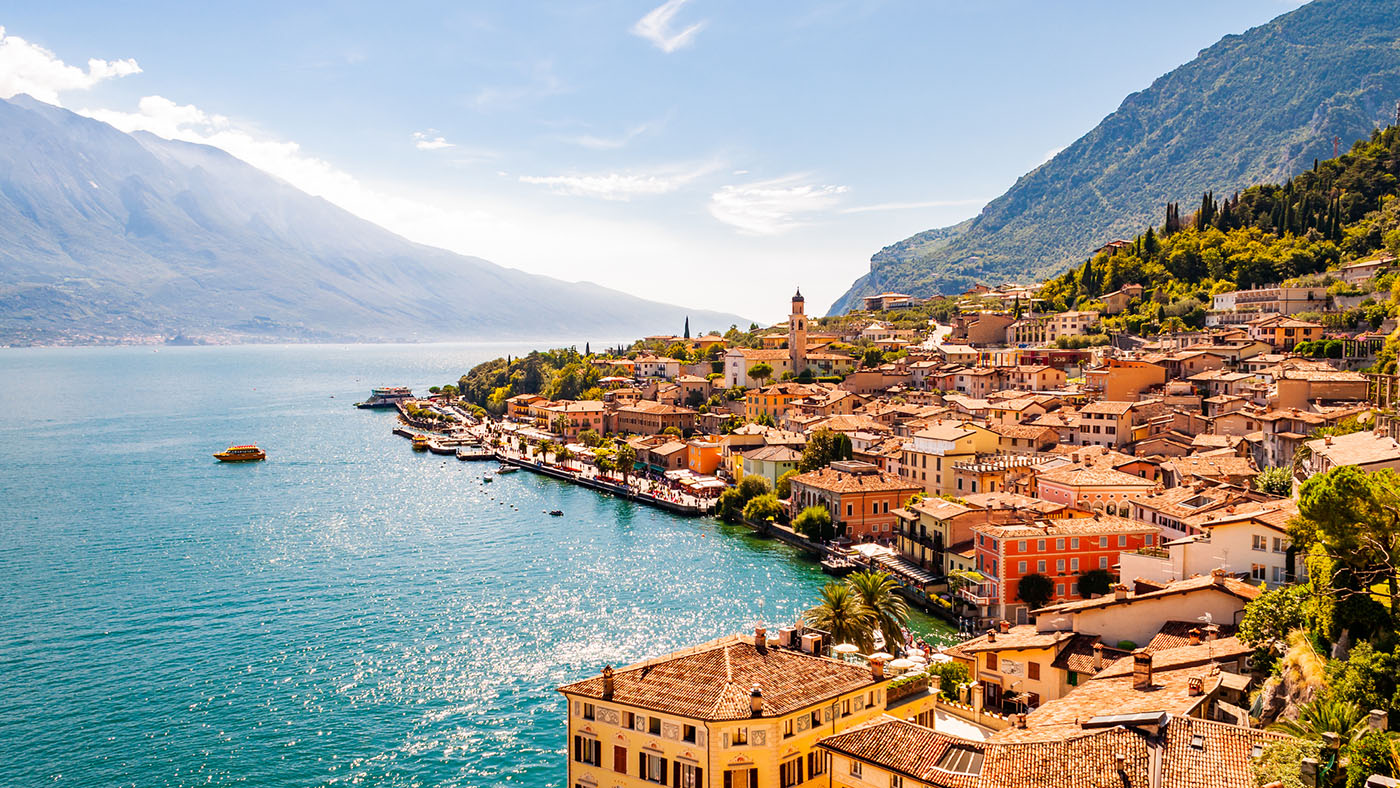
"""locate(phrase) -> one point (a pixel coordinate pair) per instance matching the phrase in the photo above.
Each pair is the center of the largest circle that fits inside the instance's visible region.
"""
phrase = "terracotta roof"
(1078, 655)
(1098, 525)
(1220, 650)
(713, 681)
(1226, 585)
(1212, 466)
(832, 480)
(1102, 696)
(1221, 761)
(1358, 448)
(1095, 477)
(1111, 407)
(1018, 638)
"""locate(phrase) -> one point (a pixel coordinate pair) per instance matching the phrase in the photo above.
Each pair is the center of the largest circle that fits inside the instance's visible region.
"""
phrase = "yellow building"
(773, 401)
(738, 712)
(928, 459)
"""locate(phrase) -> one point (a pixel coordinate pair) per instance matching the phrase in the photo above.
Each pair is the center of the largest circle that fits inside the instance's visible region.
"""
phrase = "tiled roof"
(1095, 477)
(774, 453)
(1110, 407)
(832, 480)
(713, 681)
(1018, 638)
(1221, 761)
(1175, 634)
(1211, 466)
(1358, 448)
(1078, 655)
(903, 747)
(1219, 650)
(1226, 585)
(1169, 692)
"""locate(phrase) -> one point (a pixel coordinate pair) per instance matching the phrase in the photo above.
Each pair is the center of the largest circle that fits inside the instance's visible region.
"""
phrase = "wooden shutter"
(676, 774)
(1033, 671)
(728, 779)
(663, 773)
(699, 777)
(642, 765)
(620, 759)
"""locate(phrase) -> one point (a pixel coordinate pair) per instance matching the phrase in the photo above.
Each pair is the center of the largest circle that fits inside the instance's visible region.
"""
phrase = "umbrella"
(880, 655)
(845, 648)
(902, 664)
(917, 658)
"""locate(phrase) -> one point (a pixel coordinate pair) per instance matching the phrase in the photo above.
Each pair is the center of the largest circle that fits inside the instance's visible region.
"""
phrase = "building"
(886, 301)
(1096, 488)
(1105, 423)
(770, 462)
(740, 712)
(704, 455)
(862, 499)
(645, 417)
(1283, 332)
(929, 455)
(773, 401)
(1249, 541)
(1124, 380)
(1367, 450)
(797, 335)
(1137, 616)
(1061, 550)
(1273, 300)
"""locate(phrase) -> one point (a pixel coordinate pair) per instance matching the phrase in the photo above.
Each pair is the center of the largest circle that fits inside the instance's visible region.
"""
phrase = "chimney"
(1217, 576)
(1120, 592)
(877, 669)
(760, 639)
(1195, 686)
(1329, 440)
(935, 683)
(1098, 657)
(1212, 632)
(1005, 625)
(1378, 719)
(1142, 669)
(1120, 762)
(1195, 636)
(607, 682)
(1020, 720)
(756, 701)
(1308, 772)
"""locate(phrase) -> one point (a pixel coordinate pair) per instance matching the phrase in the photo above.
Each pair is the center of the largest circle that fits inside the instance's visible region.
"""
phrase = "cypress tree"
(687, 326)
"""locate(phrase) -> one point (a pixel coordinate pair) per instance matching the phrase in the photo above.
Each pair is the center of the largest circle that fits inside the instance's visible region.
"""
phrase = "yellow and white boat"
(241, 454)
(420, 442)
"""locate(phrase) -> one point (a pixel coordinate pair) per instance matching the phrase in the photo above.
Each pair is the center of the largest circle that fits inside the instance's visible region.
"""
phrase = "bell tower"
(797, 334)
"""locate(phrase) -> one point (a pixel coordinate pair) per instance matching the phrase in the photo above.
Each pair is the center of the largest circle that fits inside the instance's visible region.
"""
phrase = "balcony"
(980, 595)
(926, 541)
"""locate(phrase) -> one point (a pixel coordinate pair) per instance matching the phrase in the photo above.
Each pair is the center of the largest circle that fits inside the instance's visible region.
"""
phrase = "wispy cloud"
(29, 68)
(622, 186)
(905, 206)
(430, 140)
(656, 27)
(773, 206)
(611, 143)
(542, 81)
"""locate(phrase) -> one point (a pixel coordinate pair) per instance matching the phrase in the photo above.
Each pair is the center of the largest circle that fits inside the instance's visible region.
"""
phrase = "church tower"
(797, 334)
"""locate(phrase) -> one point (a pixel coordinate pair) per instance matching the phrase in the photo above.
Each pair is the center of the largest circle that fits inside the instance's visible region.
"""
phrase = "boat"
(838, 566)
(556, 512)
(420, 442)
(386, 397)
(486, 479)
(504, 469)
(247, 453)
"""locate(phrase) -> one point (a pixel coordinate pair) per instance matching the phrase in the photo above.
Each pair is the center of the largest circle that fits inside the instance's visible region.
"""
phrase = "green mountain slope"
(1252, 108)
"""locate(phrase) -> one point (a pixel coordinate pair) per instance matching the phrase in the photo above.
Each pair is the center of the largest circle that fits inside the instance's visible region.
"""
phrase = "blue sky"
(708, 152)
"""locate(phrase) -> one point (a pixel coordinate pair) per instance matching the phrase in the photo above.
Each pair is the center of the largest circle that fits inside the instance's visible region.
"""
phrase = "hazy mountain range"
(105, 234)
(1252, 108)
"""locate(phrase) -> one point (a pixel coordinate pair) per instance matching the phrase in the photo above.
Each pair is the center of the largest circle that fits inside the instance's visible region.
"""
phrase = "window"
(589, 751)
(1040, 545)
(1060, 566)
(688, 775)
(896, 781)
(875, 507)
(741, 778)
(1021, 567)
(1280, 545)
(816, 719)
(1074, 564)
(688, 733)
(1060, 544)
(1033, 671)
(790, 773)
(1040, 566)
(1103, 562)
(654, 726)
(1260, 543)
(1122, 540)
(787, 728)
(846, 707)
(991, 661)
(1103, 541)
(850, 510)
(817, 763)
(1074, 543)
(1059, 590)
(739, 737)
(855, 768)
(1072, 679)
(1074, 589)
(1021, 546)
(653, 768)
(588, 711)
(1256, 571)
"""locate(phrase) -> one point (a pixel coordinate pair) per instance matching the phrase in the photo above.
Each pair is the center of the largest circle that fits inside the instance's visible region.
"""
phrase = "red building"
(1060, 549)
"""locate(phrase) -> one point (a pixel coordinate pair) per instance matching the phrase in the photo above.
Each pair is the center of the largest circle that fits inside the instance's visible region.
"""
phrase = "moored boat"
(556, 513)
(386, 397)
(246, 453)
(420, 442)
(504, 469)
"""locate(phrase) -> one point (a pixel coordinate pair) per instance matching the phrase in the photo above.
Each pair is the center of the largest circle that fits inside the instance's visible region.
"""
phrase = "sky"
(712, 153)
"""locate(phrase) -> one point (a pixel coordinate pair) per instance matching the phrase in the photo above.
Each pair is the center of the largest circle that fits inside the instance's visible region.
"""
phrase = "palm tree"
(1324, 714)
(841, 614)
(888, 611)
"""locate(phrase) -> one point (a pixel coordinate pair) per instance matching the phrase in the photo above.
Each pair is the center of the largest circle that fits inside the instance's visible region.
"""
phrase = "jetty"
(601, 485)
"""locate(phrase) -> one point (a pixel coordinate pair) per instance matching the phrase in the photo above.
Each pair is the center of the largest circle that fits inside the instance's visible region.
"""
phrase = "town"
(1097, 510)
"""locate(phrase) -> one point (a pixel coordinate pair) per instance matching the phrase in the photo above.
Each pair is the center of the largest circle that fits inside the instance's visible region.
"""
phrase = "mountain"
(106, 235)
(1252, 108)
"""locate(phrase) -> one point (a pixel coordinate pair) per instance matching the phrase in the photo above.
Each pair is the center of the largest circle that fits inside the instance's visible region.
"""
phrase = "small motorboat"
(486, 480)
(504, 469)
(556, 512)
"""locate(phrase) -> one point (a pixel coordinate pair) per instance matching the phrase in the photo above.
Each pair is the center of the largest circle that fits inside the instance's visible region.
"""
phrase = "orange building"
(863, 500)
(703, 455)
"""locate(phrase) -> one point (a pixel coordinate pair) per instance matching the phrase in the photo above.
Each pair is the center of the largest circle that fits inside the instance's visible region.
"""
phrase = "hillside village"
(1102, 508)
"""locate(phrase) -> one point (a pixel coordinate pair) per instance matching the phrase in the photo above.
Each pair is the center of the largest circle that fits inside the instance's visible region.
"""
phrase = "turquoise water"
(347, 613)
